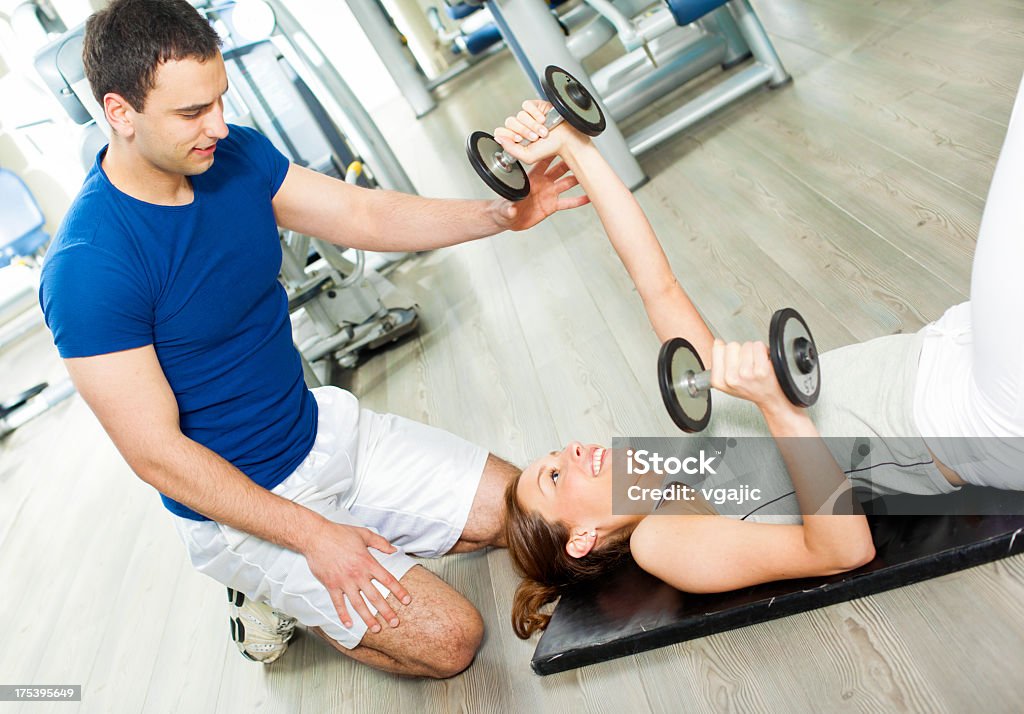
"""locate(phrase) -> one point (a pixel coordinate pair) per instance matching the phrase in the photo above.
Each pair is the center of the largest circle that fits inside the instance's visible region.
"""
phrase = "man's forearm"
(378, 220)
(208, 484)
(402, 222)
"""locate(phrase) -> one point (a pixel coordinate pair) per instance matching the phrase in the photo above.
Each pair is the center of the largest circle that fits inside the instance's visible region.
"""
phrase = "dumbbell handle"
(696, 383)
(551, 120)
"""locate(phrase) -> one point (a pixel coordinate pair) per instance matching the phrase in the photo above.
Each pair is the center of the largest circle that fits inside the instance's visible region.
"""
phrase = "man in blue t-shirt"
(160, 289)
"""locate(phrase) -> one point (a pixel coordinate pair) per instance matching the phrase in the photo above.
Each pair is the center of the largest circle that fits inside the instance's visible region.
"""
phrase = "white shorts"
(412, 483)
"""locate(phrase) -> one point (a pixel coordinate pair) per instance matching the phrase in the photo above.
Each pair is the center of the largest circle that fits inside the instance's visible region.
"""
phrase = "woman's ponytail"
(537, 548)
(530, 597)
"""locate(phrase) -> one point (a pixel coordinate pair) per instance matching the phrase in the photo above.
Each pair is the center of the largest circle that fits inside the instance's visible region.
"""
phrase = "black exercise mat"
(630, 611)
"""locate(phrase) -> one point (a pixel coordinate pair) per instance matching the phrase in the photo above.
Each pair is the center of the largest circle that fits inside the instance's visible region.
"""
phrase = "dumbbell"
(571, 101)
(686, 385)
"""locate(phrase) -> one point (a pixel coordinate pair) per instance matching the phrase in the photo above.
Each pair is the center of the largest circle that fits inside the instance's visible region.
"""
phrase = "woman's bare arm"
(669, 308)
(710, 554)
(715, 553)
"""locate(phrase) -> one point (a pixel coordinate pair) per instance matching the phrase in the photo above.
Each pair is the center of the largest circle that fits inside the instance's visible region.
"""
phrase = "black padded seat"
(630, 611)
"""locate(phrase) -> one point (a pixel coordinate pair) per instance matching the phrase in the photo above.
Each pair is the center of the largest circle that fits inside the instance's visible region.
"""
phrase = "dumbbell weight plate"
(794, 357)
(573, 101)
(509, 182)
(676, 358)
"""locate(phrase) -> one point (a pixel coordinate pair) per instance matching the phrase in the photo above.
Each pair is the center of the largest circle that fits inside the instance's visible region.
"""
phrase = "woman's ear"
(581, 542)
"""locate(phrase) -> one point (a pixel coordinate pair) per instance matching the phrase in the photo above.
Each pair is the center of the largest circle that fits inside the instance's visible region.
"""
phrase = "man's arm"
(356, 217)
(669, 308)
(130, 396)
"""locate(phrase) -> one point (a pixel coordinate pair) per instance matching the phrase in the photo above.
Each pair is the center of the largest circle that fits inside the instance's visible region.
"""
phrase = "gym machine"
(388, 45)
(339, 306)
(280, 85)
(668, 47)
(19, 316)
(22, 239)
(443, 44)
(15, 412)
(474, 38)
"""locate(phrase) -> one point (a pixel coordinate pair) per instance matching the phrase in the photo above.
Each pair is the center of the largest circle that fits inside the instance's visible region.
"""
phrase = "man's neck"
(136, 177)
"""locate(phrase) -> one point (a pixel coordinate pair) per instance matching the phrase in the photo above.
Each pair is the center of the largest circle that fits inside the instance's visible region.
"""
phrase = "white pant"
(997, 282)
(971, 376)
(412, 483)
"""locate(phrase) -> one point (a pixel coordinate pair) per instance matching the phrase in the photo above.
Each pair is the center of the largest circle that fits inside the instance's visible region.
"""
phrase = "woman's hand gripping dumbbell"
(686, 385)
(571, 102)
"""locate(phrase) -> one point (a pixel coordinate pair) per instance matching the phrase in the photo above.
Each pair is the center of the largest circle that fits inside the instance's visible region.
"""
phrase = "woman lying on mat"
(909, 389)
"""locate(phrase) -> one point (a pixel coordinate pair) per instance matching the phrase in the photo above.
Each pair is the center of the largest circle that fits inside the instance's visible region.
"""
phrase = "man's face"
(183, 118)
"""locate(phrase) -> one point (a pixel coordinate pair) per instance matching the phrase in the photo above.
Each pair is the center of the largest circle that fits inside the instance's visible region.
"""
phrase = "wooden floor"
(853, 194)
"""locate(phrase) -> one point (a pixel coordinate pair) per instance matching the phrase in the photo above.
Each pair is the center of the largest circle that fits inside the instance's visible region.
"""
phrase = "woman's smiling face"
(572, 486)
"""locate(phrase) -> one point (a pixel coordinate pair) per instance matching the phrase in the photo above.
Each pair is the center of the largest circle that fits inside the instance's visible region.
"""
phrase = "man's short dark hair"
(126, 41)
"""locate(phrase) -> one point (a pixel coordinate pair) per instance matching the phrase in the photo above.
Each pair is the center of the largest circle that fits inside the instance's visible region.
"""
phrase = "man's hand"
(548, 180)
(547, 184)
(338, 558)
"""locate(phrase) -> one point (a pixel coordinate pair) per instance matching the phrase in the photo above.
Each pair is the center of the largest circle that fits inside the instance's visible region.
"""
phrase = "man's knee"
(440, 630)
(458, 643)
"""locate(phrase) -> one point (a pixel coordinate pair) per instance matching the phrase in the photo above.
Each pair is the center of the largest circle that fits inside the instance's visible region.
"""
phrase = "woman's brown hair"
(538, 551)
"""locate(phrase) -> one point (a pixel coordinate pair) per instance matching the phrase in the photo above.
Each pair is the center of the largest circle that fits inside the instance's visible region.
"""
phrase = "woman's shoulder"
(666, 528)
(645, 536)
(667, 547)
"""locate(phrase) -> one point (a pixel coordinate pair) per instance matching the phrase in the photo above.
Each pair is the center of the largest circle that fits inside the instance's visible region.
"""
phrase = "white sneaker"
(260, 631)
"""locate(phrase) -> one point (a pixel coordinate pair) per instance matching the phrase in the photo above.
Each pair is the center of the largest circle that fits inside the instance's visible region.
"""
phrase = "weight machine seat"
(630, 611)
(482, 39)
(687, 11)
(21, 230)
(460, 10)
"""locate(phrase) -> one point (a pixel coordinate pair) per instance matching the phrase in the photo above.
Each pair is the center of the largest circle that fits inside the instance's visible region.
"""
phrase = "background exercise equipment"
(573, 103)
(686, 385)
(32, 402)
(686, 38)
(21, 231)
(475, 34)
(22, 240)
(340, 303)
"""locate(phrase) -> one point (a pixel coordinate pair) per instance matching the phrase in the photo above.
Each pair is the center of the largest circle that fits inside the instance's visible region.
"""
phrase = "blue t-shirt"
(199, 283)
